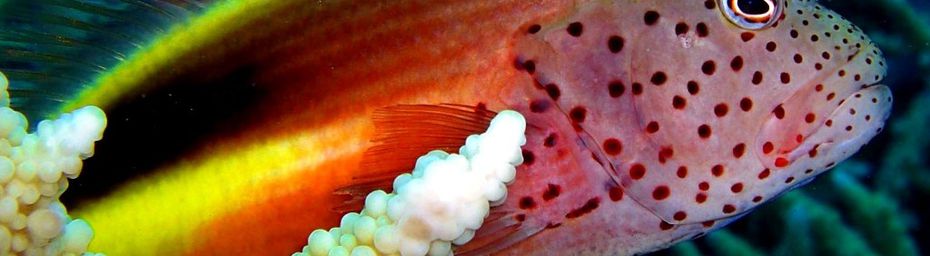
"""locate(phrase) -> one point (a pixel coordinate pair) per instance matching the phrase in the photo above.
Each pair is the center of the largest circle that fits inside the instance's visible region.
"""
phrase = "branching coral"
(34, 172)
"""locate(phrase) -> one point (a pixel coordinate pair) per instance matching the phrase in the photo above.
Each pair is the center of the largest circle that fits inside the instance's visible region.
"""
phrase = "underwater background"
(872, 204)
(875, 203)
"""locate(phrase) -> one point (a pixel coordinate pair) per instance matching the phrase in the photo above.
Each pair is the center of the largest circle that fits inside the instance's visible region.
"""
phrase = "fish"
(648, 122)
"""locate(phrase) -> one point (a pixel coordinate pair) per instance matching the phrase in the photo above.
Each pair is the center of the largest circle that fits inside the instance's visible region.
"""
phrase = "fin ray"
(402, 134)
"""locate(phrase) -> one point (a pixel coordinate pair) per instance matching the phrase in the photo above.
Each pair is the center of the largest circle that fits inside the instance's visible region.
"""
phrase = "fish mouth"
(842, 111)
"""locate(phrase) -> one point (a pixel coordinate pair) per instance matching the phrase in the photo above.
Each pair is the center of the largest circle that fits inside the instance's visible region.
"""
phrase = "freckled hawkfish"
(652, 122)
(648, 122)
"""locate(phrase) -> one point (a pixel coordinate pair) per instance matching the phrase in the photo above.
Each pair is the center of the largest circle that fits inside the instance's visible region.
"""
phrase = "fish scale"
(694, 120)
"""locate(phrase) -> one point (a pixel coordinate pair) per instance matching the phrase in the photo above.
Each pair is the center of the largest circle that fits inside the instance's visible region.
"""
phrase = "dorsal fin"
(405, 132)
(51, 50)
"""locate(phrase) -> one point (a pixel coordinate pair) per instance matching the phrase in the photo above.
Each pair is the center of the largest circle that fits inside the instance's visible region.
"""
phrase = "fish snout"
(851, 124)
(856, 109)
(838, 108)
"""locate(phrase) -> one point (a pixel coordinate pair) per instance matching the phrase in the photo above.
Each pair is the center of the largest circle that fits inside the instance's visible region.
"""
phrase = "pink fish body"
(654, 122)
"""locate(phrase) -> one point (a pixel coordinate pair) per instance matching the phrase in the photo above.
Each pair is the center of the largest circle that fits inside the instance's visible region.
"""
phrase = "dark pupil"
(753, 7)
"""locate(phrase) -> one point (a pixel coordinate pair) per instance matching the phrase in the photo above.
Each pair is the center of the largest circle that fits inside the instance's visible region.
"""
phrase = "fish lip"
(879, 82)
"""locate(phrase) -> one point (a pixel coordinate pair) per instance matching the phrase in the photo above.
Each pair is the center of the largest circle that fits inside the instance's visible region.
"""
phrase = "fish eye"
(751, 14)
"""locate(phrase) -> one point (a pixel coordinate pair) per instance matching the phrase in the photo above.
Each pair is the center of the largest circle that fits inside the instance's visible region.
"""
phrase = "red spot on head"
(721, 110)
(813, 152)
(764, 174)
(681, 28)
(693, 88)
(552, 191)
(613, 147)
(739, 150)
(529, 66)
(704, 131)
(700, 198)
(527, 203)
(745, 104)
(779, 112)
(704, 186)
(767, 147)
(578, 114)
(575, 29)
(708, 67)
(682, 172)
(708, 223)
(679, 102)
(781, 162)
(550, 140)
(652, 127)
(616, 193)
(533, 28)
(588, 206)
(665, 153)
(551, 225)
(658, 78)
(736, 188)
(661, 193)
(680, 216)
(757, 199)
(717, 170)
(637, 88)
(616, 89)
(710, 5)
(810, 117)
(553, 91)
(729, 208)
(737, 63)
(615, 44)
(637, 171)
(665, 225)
(539, 106)
(701, 29)
(528, 157)
(757, 78)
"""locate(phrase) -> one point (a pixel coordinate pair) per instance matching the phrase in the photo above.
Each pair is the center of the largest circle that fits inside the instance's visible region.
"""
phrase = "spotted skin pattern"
(650, 123)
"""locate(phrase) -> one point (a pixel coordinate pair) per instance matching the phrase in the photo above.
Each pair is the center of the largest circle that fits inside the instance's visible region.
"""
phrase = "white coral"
(441, 202)
(34, 168)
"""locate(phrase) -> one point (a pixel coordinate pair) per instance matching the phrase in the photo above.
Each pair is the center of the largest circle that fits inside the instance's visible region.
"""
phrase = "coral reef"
(869, 205)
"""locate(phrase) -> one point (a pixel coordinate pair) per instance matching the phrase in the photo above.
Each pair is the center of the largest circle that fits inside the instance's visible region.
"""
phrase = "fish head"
(706, 109)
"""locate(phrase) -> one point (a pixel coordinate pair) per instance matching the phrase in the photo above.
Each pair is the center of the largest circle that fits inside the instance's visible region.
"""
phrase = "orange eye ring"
(747, 20)
(760, 18)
